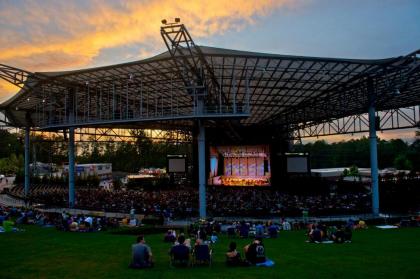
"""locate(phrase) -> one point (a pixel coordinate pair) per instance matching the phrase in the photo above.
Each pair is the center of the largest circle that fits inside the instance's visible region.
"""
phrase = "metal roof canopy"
(252, 88)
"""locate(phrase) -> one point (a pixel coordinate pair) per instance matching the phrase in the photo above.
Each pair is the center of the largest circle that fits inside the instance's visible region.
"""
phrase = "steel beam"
(202, 169)
(71, 168)
(393, 119)
(373, 160)
(373, 149)
(27, 172)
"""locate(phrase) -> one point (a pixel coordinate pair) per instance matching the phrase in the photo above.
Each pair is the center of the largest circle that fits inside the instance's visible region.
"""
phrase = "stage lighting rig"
(177, 20)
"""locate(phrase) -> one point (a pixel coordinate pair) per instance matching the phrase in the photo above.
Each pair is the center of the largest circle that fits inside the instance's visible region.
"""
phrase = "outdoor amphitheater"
(209, 162)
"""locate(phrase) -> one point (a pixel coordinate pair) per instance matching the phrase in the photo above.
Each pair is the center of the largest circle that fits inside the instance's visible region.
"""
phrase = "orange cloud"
(404, 134)
(69, 34)
(6, 90)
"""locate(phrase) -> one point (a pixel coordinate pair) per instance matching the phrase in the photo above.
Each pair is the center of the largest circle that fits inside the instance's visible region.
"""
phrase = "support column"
(373, 150)
(26, 147)
(71, 167)
(202, 169)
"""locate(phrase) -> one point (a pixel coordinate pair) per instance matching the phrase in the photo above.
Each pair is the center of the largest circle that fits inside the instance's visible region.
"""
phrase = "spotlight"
(177, 20)
(164, 21)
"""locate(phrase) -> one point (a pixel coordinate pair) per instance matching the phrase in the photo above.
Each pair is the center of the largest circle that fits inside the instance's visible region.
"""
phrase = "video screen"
(297, 164)
(246, 165)
(176, 164)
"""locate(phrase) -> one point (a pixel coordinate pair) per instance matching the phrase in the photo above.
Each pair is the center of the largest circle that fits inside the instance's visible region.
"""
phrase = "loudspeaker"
(220, 165)
(265, 166)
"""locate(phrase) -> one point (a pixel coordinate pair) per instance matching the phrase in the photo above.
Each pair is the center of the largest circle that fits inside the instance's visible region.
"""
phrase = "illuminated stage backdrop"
(246, 165)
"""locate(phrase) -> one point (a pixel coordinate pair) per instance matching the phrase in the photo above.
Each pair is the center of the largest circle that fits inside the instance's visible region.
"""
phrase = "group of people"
(321, 233)
(182, 252)
(260, 229)
(12, 217)
(254, 254)
(273, 202)
(221, 201)
(84, 223)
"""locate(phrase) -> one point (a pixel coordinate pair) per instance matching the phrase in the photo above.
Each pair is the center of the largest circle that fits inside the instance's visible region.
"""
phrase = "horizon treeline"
(144, 152)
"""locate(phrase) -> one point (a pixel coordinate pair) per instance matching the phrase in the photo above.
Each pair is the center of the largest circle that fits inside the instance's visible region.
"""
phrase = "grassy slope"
(47, 253)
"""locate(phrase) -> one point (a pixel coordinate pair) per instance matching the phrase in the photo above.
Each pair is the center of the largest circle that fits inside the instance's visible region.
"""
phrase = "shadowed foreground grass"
(48, 253)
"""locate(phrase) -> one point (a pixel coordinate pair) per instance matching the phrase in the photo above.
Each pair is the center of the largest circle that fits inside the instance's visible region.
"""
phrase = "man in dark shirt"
(338, 235)
(255, 252)
(141, 254)
(180, 253)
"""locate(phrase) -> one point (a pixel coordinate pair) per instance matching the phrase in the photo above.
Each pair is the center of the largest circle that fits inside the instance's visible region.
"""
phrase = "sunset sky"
(56, 35)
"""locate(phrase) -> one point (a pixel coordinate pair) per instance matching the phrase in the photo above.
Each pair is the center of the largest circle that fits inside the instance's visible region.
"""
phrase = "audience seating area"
(182, 202)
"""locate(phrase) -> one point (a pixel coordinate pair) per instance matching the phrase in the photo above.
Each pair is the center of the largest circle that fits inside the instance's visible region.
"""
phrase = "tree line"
(144, 152)
(394, 153)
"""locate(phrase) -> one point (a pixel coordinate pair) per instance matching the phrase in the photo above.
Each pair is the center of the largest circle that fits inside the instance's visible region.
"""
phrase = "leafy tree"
(356, 152)
(354, 171)
(402, 163)
(11, 165)
(10, 144)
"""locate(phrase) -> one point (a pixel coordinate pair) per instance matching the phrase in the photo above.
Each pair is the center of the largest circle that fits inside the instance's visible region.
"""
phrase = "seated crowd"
(11, 217)
(194, 248)
(182, 202)
(183, 253)
(321, 233)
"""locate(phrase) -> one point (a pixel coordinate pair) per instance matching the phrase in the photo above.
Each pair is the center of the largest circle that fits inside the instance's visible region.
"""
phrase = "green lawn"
(48, 253)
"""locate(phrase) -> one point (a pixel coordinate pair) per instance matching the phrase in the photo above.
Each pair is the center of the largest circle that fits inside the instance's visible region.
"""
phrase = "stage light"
(177, 20)
(164, 21)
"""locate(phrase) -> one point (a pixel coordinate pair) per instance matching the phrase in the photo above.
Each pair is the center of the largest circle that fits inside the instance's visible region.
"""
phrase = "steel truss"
(108, 135)
(402, 118)
(14, 75)
(253, 89)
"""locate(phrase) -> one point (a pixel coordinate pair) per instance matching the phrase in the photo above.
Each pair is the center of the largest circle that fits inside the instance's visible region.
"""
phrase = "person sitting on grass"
(180, 253)
(273, 230)
(233, 257)
(259, 230)
(348, 234)
(315, 234)
(201, 234)
(361, 224)
(244, 230)
(169, 237)
(201, 252)
(255, 252)
(141, 254)
(338, 235)
(214, 238)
